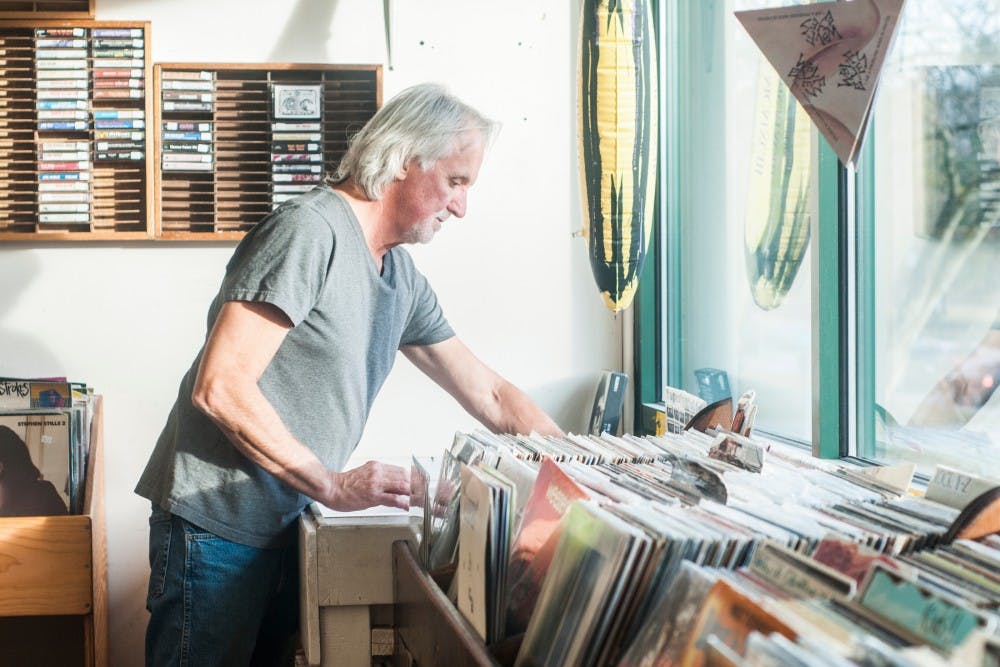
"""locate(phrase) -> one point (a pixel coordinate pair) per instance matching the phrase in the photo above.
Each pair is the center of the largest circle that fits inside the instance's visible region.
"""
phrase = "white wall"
(129, 318)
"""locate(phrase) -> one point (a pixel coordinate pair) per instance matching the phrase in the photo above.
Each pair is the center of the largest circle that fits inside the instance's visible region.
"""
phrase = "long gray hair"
(420, 123)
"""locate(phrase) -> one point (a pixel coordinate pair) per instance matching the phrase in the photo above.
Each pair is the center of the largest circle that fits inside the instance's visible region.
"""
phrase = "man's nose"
(457, 205)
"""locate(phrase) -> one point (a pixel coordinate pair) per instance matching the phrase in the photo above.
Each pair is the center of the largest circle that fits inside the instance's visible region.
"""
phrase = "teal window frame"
(657, 340)
(863, 380)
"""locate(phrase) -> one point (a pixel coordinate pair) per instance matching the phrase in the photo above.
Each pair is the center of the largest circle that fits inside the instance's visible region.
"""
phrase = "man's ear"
(401, 172)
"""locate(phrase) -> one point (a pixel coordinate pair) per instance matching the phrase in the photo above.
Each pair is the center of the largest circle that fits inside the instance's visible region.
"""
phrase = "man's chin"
(423, 236)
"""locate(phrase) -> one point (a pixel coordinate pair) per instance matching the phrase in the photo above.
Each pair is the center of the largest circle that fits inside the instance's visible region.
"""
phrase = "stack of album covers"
(485, 518)
(119, 134)
(423, 483)
(713, 548)
(609, 401)
(187, 91)
(63, 181)
(296, 159)
(119, 61)
(790, 608)
(187, 146)
(63, 81)
(45, 430)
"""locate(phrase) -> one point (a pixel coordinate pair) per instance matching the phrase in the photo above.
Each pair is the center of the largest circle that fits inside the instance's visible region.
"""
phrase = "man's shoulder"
(322, 199)
(319, 209)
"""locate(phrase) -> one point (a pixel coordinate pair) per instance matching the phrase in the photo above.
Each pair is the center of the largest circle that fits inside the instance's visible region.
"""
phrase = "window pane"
(744, 209)
(937, 242)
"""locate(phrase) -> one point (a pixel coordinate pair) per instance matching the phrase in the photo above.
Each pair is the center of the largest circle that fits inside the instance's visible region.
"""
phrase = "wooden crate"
(345, 585)
(120, 192)
(226, 201)
(45, 565)
(55, 567)
(429, 628)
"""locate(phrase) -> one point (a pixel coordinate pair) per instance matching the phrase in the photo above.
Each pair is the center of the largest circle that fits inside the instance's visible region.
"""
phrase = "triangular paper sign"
(830, 54)
(898, 477)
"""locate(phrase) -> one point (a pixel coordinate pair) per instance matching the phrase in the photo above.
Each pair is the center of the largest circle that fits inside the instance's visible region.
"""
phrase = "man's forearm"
(515, 412)
(253, 426)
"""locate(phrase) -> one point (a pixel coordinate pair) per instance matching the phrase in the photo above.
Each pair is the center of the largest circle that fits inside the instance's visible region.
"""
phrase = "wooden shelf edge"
(94, 505)
(200, 236)
(47, 16)
(258, 67)
(67, 22)
(50, 237)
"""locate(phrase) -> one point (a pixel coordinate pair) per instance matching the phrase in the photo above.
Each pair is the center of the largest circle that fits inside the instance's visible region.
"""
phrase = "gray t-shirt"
(310, 259)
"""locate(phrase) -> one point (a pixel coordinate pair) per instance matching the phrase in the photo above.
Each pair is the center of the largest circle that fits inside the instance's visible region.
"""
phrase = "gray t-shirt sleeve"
(284, 261)
(427, 324)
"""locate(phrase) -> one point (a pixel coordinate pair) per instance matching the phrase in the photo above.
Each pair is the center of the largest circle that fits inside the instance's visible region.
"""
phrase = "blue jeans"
(216, 602)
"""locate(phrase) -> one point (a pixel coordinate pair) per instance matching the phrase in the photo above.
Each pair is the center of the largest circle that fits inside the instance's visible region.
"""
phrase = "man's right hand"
(370, 485)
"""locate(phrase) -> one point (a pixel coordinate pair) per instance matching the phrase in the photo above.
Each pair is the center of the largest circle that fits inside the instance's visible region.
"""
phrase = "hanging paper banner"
(830, 54)
(617, 135)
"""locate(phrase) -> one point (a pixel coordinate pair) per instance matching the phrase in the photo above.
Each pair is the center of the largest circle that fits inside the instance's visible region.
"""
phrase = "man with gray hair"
(315, 303)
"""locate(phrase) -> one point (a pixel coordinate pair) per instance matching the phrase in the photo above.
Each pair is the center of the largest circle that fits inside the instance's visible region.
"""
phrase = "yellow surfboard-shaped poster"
(617, 135)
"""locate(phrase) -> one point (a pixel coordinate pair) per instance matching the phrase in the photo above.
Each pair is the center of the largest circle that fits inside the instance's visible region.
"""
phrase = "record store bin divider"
(234, 141)
(98, 145)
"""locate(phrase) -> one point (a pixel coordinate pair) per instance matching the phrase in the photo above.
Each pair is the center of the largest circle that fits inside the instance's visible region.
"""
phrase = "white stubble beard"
(425, 231)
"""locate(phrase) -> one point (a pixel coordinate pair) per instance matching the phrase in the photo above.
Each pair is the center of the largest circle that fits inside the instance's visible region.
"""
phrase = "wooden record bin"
(235, 189)
(119, 193)
(430, 630)
(46, 9)
(54, 578)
